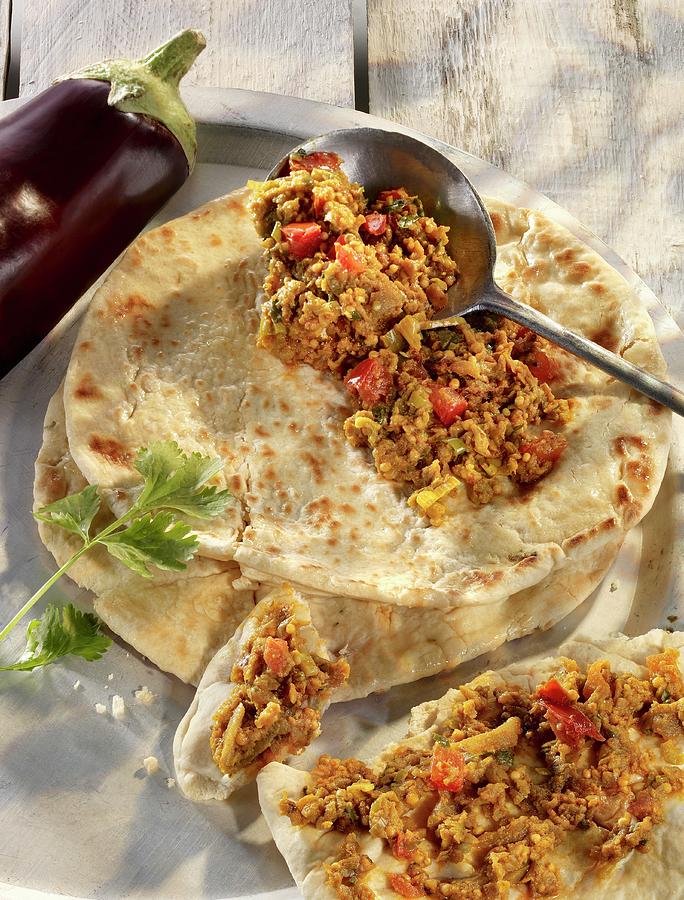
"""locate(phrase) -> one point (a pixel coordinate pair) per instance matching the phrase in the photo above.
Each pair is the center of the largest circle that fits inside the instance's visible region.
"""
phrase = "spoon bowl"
(380, 159)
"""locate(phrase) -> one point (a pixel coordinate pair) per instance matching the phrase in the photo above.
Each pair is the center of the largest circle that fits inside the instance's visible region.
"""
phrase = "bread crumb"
(151, 764)
(110, 677)
(145, 695)
(77, 684)
(170, 783)
(118, 707)
(100, 709)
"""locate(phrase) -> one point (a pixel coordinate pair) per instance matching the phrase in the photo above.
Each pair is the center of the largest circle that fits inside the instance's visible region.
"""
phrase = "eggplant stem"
(172, 60)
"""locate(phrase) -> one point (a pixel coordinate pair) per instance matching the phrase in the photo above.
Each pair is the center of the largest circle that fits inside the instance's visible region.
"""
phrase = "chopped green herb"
(406, 221)
(356, 315)
(276, 312)
(149, 534)
(447, 337)
(54, 636)
(441, 739)
(665, 696)
(381, 414)
(505, 757)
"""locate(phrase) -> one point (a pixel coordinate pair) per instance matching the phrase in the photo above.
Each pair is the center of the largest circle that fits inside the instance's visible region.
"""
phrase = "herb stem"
(132, 512)
(43, 590)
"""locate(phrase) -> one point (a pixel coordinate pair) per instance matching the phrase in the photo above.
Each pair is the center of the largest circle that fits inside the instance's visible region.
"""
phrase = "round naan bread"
(658, 874)
(167, 350)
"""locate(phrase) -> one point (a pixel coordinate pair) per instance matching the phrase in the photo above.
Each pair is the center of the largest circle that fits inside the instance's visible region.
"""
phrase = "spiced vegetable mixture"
(510, 784)
(350, 285)
(280, 686)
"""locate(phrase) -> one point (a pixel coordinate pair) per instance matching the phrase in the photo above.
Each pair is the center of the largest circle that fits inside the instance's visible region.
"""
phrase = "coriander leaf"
(381, 414)
(153, 540)
(53, 636)
(75, 513)
(406, 221)
(174, 481)
(505, 757)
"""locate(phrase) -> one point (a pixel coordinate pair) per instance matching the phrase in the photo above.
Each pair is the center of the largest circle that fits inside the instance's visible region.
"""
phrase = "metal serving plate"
(79, 816)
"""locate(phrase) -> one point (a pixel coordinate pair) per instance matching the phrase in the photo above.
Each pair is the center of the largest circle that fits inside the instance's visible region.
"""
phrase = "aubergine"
(83, 167)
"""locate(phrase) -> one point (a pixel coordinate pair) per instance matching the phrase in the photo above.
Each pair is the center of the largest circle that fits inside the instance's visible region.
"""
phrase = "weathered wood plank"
(583, 100)
(302, 48)
(5, 9)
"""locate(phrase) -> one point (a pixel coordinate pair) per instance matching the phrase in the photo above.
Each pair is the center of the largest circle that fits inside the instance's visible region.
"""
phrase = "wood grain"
(301, 48)
(5, 7)
(583, 100)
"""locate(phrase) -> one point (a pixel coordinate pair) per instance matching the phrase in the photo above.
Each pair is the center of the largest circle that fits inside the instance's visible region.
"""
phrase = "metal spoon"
(380, 159)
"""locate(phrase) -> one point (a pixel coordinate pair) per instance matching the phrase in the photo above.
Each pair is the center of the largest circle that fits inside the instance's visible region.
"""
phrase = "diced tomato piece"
(570, 725)
(447, 403)
(447, 771)
(548, 447)
(543, 367)
(303, 238)
(404, 886)
(376, 223)
(276, 655)
(554, 691)
(386, 196)
(320, 159)
(400, 849)
(348, 258)
(370, 381)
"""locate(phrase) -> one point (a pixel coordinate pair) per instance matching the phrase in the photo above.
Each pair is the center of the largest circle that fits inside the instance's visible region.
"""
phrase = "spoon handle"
(639, 379)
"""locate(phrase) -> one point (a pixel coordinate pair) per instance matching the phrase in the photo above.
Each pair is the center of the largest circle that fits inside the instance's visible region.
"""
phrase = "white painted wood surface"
(5, 6)
(301, 48)
(583, 99)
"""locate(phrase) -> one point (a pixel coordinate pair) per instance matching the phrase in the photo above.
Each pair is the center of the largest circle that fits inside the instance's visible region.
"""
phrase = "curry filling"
(349, 289)
(513, 782)
(275, 709)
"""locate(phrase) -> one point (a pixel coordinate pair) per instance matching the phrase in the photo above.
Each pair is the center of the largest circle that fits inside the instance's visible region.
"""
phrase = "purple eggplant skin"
(79, 179)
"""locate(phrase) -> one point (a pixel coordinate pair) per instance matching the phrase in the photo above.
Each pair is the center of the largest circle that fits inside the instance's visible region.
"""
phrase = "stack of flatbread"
(167, 351)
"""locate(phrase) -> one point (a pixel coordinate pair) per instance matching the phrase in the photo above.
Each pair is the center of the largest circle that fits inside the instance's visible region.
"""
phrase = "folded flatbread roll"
(260, 699)
(558, 777)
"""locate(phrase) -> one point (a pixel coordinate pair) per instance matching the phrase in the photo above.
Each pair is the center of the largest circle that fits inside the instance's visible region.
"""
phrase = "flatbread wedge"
(459, 801)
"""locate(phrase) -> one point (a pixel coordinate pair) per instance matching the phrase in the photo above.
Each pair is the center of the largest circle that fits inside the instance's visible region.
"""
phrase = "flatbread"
(197, 774)
(384, 645)
(167, 350)
(176, 619)
(658, 874)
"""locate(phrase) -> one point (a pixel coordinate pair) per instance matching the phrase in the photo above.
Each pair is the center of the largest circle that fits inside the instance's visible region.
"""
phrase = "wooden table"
(581, 98)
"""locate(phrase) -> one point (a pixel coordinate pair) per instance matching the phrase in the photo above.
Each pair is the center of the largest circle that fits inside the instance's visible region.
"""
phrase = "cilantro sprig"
(58, 633)
(149, 535)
